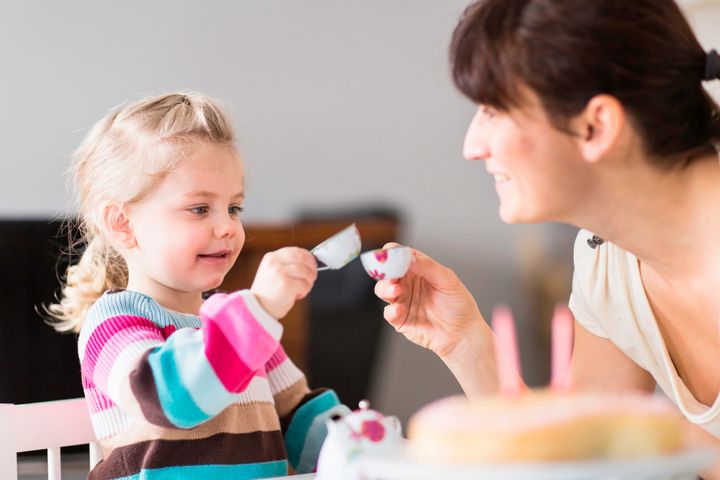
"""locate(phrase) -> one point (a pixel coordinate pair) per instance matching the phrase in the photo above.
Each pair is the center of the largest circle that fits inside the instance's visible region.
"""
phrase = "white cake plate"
(686, 464)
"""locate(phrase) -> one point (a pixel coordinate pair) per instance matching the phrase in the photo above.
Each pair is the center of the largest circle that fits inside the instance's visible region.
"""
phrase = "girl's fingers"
(296, 255)
(299, 271)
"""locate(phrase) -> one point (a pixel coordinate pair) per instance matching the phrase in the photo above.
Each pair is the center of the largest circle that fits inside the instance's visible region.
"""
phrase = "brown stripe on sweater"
(236, 418)
(287, 399)
(285, 420)
(143, 387)
(220, 449)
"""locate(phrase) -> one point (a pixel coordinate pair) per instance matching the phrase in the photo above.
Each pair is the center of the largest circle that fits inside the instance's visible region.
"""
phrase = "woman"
(593, 113)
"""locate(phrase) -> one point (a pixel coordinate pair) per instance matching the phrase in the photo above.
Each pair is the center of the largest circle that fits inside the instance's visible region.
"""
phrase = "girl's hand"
(283, 277)
(430, 305)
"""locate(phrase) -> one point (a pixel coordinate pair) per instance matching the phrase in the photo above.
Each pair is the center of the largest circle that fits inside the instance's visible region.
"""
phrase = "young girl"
(178, 387)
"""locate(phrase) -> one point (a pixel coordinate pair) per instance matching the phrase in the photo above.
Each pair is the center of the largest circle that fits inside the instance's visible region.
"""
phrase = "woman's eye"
(235, 210)
(200, 210)
(488, 112)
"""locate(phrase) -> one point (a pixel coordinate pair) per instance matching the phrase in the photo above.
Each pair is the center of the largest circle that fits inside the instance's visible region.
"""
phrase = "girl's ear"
(599, 126)
(118, 226)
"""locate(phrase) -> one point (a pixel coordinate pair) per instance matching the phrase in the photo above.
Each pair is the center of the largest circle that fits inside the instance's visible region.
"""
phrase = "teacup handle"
(320, 269)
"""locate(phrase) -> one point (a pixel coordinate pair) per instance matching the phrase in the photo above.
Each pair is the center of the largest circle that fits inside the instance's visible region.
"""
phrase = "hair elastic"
(712, 65)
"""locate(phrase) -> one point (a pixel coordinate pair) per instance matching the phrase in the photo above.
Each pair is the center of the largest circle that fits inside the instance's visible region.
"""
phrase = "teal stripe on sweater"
(247, 471)
(175, 400)
(297, 431)
(198, 376)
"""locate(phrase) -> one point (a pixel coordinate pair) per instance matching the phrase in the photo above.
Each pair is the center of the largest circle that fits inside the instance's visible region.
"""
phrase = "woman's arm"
(598, 365)
(432, 308)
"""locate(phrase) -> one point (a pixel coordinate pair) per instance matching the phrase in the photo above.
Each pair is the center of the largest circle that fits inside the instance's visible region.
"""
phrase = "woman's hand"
(430, 305)
(283, 277)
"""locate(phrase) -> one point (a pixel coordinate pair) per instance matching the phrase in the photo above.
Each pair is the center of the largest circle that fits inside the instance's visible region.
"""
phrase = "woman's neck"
(669, 220)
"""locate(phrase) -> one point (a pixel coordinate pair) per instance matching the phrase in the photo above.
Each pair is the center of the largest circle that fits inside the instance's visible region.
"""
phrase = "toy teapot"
(350, 436)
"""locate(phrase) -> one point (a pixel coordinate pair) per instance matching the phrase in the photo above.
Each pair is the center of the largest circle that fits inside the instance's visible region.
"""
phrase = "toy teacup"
(387, 263)
(340, 249)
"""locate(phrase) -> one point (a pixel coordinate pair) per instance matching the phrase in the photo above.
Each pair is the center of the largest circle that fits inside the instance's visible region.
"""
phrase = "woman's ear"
(118, 226)
(598, 126)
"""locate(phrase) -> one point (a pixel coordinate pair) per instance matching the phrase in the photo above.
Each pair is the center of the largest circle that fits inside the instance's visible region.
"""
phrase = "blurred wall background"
(336, 104)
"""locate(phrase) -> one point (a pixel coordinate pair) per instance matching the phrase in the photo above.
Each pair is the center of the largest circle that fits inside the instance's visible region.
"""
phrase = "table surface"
(305, 476)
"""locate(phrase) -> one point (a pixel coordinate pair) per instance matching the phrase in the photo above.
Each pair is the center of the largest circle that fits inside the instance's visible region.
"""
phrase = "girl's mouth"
(215, 256)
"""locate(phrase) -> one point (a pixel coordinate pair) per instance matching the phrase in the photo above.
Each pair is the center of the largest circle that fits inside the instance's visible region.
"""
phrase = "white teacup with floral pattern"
(383, 264)
(340, 249)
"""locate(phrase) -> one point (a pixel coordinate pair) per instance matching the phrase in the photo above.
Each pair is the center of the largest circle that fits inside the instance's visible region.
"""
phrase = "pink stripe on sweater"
(278, 357)
(98, 402)
(106, 330)
(111, 337)
(115, 346)
(232, 372)
(236, 345)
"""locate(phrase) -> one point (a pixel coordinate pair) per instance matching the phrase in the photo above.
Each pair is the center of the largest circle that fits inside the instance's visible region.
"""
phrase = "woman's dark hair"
(642, 52)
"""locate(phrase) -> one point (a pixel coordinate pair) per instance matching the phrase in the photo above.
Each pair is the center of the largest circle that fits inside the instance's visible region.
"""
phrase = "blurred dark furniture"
(332, 335)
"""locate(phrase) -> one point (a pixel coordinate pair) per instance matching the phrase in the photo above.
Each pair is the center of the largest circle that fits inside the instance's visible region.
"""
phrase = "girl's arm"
(193, 374)
(302, 412)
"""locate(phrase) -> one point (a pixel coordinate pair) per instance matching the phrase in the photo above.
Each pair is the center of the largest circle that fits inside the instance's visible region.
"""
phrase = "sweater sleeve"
(303, 412)
(190, 376)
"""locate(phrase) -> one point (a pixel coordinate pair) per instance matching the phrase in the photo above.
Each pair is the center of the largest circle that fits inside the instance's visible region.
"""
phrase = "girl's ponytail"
(100, 268)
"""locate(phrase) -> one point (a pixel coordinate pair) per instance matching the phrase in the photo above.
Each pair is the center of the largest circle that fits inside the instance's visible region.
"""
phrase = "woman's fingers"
(395, 314)
(388, 290)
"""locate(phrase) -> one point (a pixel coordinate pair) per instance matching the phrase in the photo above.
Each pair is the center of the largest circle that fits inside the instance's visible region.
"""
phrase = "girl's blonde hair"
(121, 160)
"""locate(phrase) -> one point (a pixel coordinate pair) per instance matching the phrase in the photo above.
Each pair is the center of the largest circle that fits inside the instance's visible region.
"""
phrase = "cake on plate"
(552, 424)
(544, 426)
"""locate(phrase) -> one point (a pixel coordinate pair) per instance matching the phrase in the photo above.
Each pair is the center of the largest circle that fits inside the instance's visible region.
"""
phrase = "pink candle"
(562, 346)
(507, 358)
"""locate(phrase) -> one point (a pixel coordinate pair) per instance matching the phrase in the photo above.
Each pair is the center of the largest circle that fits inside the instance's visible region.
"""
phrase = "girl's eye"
(235, 210)
(200, 210)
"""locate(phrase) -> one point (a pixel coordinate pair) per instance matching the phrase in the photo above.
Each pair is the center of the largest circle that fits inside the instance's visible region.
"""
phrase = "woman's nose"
(476, 145)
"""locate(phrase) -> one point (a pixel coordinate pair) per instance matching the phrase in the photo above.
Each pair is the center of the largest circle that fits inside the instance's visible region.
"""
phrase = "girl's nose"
(476, 145)
(226, 227)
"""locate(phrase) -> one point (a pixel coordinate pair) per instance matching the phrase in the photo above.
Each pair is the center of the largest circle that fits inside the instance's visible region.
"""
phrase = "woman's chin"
(515, 216)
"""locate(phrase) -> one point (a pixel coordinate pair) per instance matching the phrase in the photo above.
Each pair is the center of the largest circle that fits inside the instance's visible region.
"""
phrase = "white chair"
(44, 426)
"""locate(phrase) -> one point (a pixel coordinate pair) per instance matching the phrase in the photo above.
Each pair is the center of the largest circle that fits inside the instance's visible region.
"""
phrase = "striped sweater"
(174, 395)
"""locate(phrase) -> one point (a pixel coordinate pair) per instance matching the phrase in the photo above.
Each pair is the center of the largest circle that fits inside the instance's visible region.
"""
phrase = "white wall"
(336, 104)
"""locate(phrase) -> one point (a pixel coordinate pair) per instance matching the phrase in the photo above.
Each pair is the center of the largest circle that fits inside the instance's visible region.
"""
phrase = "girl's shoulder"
(115, 303)
(124, 305)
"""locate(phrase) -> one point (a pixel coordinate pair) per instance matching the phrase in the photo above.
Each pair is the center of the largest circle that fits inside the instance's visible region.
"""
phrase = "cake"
(544, 426)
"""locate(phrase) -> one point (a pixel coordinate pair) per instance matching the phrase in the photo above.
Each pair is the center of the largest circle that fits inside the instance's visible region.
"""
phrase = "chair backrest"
(44, 426)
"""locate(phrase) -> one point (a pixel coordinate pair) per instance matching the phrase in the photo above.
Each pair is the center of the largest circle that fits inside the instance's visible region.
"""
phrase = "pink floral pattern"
(381, 256)
(376, 275)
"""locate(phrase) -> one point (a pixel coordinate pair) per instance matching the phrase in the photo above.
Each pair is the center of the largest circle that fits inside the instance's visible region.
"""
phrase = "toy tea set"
(343, 247)
(352, 436)
(363, 431)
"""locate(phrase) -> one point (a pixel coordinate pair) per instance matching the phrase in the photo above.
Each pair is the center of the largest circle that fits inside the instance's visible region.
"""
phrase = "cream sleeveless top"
(608, 299)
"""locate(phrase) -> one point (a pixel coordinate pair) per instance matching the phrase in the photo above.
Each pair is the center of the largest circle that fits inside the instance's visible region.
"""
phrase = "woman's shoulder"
(606, 281)
(597, 259)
